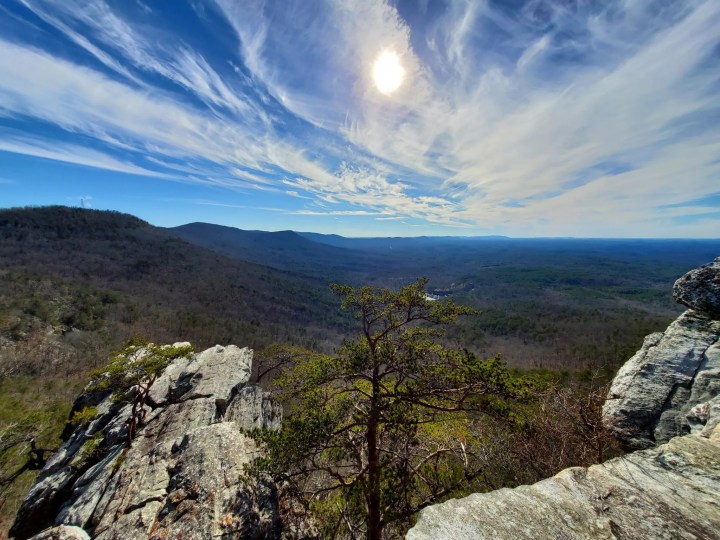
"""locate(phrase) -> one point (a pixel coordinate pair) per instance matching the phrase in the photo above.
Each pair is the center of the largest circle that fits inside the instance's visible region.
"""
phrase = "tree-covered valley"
(76, 284)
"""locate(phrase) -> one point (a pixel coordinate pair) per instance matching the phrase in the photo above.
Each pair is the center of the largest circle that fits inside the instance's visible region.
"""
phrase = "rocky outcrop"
(672, 491)
(670, 387)
(182, 476)
(699, 289)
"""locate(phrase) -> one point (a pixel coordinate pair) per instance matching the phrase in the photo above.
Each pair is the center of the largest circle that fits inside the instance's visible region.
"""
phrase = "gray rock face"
(699, 289)
(672, 385)
(672, 491)
(62, 532)
(666, 389)
(182, 477)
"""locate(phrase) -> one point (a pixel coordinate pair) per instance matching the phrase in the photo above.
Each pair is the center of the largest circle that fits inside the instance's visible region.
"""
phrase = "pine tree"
(382, 429)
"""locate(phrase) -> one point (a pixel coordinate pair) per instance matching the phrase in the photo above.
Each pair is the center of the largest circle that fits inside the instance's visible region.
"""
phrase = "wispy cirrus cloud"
(134, 119)
(228, 205)
(336, 213)
(79, 100)
(74, 154)
(40, 9)
(512, 106)
(538, 118)
(118, 43)
(365, 188)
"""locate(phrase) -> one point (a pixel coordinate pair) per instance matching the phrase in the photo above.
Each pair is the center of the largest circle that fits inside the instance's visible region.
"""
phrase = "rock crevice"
(183, 474)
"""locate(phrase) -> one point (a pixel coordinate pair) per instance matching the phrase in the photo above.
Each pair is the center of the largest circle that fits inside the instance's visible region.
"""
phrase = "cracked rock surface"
(672, 491)
(668, 392)
(182, 476)
(672, 385)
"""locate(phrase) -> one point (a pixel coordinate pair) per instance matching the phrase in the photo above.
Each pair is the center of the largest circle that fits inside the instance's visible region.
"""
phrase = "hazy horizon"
(350, 236)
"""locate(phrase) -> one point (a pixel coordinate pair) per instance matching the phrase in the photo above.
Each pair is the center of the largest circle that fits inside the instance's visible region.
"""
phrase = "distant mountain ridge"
(245, 244)
(287, 250)
(529, 291)
(391, 242)
(333, 256)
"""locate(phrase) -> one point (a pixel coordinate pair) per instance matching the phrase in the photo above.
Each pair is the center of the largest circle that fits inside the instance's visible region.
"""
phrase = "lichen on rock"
(183, 474)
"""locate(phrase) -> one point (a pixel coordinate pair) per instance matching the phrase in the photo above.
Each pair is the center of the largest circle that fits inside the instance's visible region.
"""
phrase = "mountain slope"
(157, 284)
(285, 250)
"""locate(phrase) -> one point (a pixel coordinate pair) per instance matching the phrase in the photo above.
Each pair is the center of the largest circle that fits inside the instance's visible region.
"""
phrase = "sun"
(388, 73)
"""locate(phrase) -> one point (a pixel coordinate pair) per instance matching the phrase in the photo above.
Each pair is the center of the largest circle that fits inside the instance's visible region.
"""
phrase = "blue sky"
(525, 118)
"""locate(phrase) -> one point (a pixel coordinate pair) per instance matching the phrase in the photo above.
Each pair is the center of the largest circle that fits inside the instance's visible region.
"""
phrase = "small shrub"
(137, 366)
(83, 416)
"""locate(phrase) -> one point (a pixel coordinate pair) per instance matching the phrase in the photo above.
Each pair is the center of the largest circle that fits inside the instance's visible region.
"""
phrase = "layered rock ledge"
(671, 386)
(182, 476)
(672, 491)
(668, 392)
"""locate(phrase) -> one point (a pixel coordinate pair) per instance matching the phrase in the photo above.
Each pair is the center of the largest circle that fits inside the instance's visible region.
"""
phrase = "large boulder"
(668, 388)
(699, 289)
(182, 476)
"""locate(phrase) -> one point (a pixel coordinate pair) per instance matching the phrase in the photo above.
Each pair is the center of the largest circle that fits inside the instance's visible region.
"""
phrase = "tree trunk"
(374, 526)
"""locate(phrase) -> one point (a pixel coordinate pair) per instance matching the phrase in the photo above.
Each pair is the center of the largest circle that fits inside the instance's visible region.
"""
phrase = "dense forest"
(543, 303)
(71, 272)
(75, 284)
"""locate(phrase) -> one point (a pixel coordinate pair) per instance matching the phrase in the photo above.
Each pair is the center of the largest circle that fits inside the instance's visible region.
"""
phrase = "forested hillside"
(79, 282)
(100, 277)
(75, 284)
(284, 249)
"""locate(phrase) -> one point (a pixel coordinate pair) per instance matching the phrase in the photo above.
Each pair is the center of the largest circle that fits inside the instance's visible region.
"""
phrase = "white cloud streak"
(170, 60)
(528, 129)
(70, 153)
(336, 213)
(79, 100)
(365, 188)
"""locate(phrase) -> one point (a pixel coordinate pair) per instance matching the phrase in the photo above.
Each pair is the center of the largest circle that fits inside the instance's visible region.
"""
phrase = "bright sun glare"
(388, 73)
